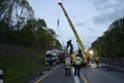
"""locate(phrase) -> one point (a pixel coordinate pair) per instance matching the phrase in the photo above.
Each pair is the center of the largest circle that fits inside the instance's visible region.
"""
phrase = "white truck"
(51, 57)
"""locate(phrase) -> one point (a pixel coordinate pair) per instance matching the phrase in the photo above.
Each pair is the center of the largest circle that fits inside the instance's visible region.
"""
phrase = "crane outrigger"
(81, 46)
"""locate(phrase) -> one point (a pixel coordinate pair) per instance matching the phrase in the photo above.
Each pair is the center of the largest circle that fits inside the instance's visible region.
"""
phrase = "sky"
(91, 18)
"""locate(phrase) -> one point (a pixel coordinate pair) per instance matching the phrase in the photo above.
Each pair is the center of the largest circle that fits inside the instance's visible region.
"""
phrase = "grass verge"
(19, 64)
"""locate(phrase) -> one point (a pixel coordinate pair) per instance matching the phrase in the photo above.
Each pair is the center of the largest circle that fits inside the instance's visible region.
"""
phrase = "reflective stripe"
(78, 62)
(67, 66)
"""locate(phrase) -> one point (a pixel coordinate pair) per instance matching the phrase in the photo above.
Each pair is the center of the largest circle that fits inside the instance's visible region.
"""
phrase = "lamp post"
(91, 55)
(91, 52)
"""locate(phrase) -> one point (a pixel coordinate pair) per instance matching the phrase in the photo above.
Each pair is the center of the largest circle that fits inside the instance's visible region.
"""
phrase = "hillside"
(19, 63)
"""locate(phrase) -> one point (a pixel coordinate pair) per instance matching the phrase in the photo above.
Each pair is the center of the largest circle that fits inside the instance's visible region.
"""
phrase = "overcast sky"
(90, 17)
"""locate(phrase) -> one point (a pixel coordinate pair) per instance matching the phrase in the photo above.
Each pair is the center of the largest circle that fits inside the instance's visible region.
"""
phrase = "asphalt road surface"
(88, 75)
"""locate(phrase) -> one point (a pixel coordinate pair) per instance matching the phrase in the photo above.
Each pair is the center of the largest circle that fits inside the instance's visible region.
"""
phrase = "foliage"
(19, 27)
(111, 43)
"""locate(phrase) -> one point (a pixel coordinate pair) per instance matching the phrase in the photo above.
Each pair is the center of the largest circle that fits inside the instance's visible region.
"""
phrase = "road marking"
(45, 75)
(41, 78)
(76, 79)
(83, 78)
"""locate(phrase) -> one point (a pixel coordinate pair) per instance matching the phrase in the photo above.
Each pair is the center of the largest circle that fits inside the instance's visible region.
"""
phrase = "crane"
(81, 46)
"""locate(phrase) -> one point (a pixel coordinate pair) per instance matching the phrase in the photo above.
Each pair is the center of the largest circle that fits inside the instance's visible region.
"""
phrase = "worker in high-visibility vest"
(78, 62)
(68, 65)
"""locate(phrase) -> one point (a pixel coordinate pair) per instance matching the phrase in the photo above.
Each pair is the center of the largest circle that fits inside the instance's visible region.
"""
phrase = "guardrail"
(114, 68)
(1, 76)
(115, 62)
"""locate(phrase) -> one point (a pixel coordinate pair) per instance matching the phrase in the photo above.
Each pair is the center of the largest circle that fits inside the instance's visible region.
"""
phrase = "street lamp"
(91, 52)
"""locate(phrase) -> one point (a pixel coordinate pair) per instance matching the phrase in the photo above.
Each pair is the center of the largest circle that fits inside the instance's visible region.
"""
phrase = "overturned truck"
(54, 56)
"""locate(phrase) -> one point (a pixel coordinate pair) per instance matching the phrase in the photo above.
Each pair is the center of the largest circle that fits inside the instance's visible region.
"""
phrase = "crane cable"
(58, 27)
(57, 22)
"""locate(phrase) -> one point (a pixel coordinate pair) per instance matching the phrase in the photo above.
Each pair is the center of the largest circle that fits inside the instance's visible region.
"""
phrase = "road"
(88, 75)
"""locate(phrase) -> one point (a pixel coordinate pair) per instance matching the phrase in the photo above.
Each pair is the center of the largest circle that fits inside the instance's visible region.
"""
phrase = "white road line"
(37, 81)
(83, 78)
(76, 79)
(46, 74)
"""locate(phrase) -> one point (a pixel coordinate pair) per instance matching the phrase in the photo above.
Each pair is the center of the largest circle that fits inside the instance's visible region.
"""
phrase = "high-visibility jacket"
(68, 62)
(78, 61)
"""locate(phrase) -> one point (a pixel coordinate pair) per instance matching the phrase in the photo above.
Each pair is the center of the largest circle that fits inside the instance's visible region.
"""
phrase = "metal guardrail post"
(1, 76)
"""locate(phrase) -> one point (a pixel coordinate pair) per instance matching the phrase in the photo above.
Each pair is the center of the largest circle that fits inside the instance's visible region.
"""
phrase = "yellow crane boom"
(76, 34)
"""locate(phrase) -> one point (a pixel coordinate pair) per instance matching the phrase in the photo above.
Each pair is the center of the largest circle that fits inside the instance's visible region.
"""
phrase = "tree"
(111, 43)
(13, 15)
(19, 27)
